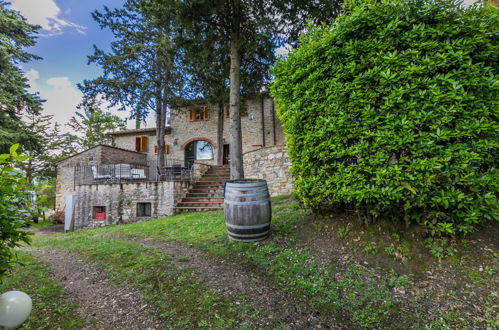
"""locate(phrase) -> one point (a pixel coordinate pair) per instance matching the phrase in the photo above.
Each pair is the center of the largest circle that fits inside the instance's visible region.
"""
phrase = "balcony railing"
(171, 170)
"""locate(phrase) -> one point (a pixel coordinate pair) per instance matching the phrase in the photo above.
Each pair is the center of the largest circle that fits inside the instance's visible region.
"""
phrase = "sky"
(66, 38)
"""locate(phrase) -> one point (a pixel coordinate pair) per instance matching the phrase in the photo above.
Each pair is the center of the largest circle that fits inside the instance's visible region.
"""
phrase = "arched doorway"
(198, 150)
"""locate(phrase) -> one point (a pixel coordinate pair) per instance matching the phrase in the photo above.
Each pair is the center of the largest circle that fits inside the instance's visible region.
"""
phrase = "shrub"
(393, 109)
(15, 208)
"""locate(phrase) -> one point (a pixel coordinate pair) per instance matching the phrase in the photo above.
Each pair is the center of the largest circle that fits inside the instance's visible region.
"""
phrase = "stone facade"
(260, 127)
(271, 164)
(101, 154)
(119, 201)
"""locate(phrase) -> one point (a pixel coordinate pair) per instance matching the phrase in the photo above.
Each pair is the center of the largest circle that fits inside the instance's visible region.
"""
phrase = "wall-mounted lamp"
(175, 142)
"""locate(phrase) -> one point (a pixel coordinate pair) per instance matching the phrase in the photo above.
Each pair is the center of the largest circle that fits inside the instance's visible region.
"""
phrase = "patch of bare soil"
(233, 280)
(100, 304)
(464, 282)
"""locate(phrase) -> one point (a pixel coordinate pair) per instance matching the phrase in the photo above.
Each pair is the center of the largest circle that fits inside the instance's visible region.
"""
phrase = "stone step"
(203, 194)
(203, 199)
(181, 209)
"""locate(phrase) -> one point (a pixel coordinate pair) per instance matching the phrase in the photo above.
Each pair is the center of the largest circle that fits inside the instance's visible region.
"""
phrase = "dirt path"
(101, 305)
(231, 280)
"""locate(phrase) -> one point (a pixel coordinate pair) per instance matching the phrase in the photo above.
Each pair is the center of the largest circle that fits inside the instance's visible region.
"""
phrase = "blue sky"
(66, 39)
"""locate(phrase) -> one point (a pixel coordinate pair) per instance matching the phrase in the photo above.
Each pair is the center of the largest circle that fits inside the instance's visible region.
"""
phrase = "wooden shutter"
(206, 114)
(227, 110)
(167, 149)
(143, 144)
(191, 114)
(155, 149)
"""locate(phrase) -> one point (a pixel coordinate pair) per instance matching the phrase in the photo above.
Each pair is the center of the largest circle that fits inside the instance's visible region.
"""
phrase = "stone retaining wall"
(271, 164)
(120, 201)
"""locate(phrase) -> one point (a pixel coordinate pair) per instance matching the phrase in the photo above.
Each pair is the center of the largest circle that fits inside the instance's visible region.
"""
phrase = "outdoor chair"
(138, 173)
(122, 171)
(99, 176)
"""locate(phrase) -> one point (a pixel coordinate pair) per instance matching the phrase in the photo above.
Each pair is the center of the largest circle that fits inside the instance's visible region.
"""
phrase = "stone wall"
(271, 164)
(120, 201)
(65, 184)
(199, 169)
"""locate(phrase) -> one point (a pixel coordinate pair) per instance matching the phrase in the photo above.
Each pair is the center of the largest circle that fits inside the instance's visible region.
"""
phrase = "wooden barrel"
(247, 209)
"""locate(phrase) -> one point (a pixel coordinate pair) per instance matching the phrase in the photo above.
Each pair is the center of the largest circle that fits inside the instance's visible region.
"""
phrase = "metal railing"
(171, 170)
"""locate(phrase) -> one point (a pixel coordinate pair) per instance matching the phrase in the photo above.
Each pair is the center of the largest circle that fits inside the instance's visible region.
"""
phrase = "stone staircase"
(207, 193)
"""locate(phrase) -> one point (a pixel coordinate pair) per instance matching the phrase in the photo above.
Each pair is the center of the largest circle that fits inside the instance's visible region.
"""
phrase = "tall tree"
(53, 145)
(253, 28)
(15, 101)
(207, 63)
(140, 70)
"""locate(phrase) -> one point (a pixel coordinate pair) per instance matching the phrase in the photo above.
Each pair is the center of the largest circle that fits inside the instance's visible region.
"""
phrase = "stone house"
(124, 183)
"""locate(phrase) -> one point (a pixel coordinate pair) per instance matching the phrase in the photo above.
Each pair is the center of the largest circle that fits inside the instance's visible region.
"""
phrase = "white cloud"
(61, 99)
(47, 14)
(59, 83)
(32, 75)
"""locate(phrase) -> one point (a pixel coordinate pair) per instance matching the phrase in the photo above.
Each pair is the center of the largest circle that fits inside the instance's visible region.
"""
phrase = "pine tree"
(15, 101)
(140, 70)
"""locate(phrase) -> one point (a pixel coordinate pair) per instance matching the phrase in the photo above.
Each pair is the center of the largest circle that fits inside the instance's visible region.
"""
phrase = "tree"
(207, 64)
(52, 146)
(140, 71)
(404, 127)
(14, 208)
(253, 30)
(15, 101)
(93, 124)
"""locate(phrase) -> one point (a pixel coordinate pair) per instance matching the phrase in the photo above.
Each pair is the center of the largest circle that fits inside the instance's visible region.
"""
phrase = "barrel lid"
(241, 183)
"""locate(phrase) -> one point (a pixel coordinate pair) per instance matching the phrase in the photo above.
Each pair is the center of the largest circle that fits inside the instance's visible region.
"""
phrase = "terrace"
(170, 170)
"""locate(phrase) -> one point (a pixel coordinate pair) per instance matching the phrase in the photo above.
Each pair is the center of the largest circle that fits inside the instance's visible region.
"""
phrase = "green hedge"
(393, 110)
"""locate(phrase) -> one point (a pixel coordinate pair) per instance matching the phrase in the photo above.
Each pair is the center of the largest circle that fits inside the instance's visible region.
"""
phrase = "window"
(199, 149)
(204, 150)
(99, 213)
(167, 149)
(141, 144)
(143, 209)
(198, 114)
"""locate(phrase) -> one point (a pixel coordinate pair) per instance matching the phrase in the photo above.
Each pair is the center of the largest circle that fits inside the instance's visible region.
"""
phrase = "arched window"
(198, 150)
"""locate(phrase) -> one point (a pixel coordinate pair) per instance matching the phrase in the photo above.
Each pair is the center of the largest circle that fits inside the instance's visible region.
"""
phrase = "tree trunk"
(236, 148)
(220, 133)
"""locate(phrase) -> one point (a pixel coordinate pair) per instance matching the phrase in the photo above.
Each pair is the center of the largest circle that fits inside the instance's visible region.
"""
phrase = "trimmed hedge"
(393, 110)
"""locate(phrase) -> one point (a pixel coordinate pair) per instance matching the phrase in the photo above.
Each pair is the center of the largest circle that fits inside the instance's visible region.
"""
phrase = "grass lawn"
(382, 276)
(49, 306)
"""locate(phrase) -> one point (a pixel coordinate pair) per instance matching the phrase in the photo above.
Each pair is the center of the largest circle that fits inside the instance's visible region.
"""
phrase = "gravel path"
(231, 280)
(101, 305)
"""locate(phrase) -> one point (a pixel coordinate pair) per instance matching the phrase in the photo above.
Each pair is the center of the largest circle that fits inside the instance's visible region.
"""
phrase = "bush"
(393, 109)
(15, 208)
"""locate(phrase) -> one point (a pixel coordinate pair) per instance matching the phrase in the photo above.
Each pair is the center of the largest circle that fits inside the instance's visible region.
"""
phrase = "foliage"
(53, 146)
(93, 123)
(392, 109)
(15, 208)
(15, 101)
(250, 31)
(140, 72)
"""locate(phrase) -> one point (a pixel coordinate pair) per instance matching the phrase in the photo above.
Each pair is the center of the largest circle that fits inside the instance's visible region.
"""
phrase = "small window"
(99, 213)
(141, 144)
(143, 209)
(167, 149)
(198, 114)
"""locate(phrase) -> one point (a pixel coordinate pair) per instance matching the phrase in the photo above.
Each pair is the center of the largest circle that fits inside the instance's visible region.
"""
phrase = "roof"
(138, 131)
(99, 145)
